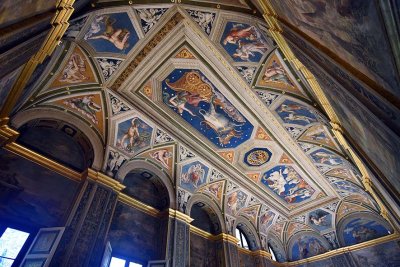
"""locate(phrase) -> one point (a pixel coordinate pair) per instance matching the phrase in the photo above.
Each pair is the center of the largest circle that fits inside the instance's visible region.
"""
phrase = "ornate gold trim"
(138, 205)
(104, 180)
(43, 161)
(59, 25)
(259, 253)
(179, 215)
(7, 135)
(202, 233)
(227, 238)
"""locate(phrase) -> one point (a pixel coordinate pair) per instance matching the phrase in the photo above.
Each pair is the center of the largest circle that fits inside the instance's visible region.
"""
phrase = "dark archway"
(59, 141)
(147, 188)
(205, 218)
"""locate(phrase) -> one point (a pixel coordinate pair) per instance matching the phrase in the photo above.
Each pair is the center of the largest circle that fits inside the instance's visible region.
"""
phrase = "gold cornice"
(227, 238)
(202, 233)
(7, 134)
(59, 24)
(179, 215)
(43, 161)
(104, 180)
(259, 253)
(138, 205)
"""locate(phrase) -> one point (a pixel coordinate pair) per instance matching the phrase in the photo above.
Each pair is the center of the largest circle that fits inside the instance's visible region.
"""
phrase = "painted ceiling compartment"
(202, 92)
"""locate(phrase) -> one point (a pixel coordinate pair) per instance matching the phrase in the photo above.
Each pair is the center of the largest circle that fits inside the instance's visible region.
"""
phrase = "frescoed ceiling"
(204, 94)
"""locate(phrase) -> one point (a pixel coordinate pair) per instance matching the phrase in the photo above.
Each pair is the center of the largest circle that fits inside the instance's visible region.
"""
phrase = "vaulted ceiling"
(202, 91)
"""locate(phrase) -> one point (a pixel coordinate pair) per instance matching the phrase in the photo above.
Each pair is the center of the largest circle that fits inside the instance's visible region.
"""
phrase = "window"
(242, 239)
(271, 251)
(11, 243)
(118, 262)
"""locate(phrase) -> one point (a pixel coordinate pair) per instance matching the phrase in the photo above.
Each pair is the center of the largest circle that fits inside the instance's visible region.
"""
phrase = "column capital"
(180, 216)
(104, 180)
(227, 238)
(7, 134)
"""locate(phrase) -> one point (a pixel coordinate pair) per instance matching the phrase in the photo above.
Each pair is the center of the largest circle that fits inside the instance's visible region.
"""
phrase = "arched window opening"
(271, 251)
(147, 188)
(205, 218)
(121, 262)
(242, 239)
(59, 141)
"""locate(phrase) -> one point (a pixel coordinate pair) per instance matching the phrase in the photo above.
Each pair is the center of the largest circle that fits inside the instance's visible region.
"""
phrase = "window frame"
(126, 259)
(242, 236)
(32, 234)
(272, 252)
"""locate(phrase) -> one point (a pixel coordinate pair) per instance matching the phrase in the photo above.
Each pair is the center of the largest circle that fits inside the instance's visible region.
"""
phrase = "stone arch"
(277, 247)
(26, 116)
(140, 164)
(305, 244)
(250, 231)
(359, 227)
(216, 212)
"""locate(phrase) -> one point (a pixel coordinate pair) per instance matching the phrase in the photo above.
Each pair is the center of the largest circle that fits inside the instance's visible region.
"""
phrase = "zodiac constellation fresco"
(244, 42)
(112, 33)
(287, 184)
(191, 95)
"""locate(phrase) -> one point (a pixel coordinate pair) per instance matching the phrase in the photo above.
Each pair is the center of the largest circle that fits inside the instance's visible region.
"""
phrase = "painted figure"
(287, 184)
(118, 37)
(319, 218)
(115, 161)
(134, 137)
(244, 42)
(163, 157)
(198, 102)
(86, 106)
(326, 158)
(238, 32)
(194, 175)
(74, 71)
(247, 50)
(236, 201)
(276, 73)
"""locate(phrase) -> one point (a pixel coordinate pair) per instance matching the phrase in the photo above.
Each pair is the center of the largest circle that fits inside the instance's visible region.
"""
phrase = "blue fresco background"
(246, 128)
(122, 21)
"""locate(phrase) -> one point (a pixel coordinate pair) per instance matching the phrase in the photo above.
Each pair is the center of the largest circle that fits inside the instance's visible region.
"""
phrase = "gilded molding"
(202, 233)
(256, 253)
(147, 50)
(104, 180)
(179, 215)
(43, 161)
(138, 205)
(227, 238)
(59, 25)
(7, 134)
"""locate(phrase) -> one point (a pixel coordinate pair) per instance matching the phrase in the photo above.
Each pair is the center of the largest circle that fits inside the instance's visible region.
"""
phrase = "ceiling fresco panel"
(285, 182)
(133, 135)
(113, 33)
(191, 95)
(244, 42)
